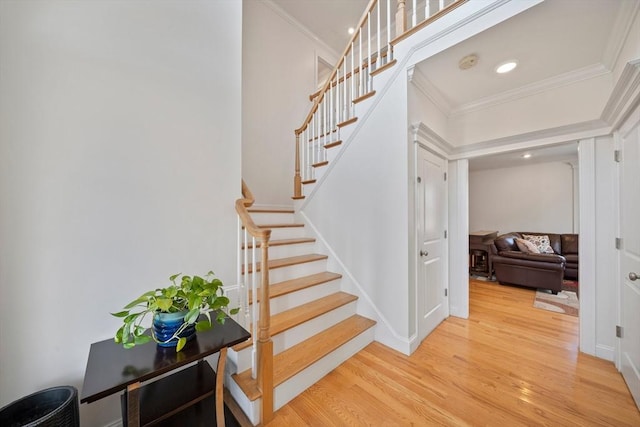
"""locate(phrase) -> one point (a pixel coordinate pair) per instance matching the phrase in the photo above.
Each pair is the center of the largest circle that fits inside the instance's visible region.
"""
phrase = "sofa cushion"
(569, 244)
(541, 241)
(527, 247)
(507, 242)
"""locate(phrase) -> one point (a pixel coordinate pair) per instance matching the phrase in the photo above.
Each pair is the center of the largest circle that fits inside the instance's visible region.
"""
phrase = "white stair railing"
(369, 51)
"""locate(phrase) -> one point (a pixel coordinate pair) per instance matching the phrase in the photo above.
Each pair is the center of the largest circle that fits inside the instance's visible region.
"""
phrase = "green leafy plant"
(194, 294)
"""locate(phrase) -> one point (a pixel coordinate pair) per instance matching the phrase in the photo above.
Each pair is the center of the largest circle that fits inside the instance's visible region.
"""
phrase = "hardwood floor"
(508, 365)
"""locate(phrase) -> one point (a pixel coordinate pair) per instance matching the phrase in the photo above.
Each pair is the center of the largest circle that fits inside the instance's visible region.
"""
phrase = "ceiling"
(554, 41)
(329, 20)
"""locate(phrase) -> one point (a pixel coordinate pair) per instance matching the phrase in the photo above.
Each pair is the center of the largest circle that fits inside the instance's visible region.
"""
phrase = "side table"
(193, 395)
(480, 259)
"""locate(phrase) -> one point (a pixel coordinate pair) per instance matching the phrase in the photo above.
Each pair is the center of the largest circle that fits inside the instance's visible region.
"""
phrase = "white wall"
(537, 197)
(278, 77)
(574, 103)
(119, 166)
(361, 210)
(605, 233)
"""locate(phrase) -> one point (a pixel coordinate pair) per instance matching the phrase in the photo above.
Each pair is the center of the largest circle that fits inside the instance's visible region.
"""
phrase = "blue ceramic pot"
(165, 326)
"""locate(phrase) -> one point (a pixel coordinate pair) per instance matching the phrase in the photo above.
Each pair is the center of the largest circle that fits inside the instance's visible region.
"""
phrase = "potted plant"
(176, 312)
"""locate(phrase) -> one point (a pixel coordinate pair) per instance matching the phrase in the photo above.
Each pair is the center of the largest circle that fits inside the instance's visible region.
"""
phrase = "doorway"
(431, 225)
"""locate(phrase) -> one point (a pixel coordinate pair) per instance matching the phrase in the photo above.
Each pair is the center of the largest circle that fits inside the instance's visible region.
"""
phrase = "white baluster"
(254, 306)
(378, 36)
(369, 49)
(361, 78)
(331, 116)
(427, 9)
(239, 276)
(414, 14)
(353, 75)
(440, 5)
(305, 148)
(345, 112)
(247, 314)
(389, 58)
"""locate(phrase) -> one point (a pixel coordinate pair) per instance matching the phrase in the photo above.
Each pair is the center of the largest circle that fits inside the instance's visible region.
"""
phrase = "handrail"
(241, 208)
(263, 362)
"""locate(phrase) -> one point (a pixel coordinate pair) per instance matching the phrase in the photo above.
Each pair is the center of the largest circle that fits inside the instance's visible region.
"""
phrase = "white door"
(630, 253)
(431, 219)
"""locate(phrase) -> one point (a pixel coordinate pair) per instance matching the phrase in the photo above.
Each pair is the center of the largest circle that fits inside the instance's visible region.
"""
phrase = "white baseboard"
(606, 352)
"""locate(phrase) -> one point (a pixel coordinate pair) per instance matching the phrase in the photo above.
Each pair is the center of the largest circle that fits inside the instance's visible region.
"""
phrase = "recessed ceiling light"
(526, 155)
(351, 30)
(507, 66)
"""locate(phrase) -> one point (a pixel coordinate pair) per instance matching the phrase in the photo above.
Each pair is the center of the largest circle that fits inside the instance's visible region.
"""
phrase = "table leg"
(133, 405)
(222, 360)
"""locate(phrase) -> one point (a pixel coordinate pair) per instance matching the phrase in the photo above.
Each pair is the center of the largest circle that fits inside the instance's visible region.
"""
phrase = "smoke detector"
(468, 62)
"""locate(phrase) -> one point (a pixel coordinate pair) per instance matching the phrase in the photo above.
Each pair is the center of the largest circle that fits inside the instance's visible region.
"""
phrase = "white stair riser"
(333, 153)
(308, 188)
(293, 271)
(284, 251)
(291, 388)
(320, 171)
(272, 217)
(296, 335)
(303, 296)
(251, 409)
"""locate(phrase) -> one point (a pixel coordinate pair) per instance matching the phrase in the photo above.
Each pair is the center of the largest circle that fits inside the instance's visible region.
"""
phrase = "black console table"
(191, 396)
(480, 252)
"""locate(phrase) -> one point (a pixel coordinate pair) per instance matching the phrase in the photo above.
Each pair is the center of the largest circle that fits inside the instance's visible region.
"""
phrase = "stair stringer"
(384, 331)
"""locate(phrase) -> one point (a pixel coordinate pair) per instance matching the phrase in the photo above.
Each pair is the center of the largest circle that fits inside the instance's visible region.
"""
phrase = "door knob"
(633, 276)
(425, 253)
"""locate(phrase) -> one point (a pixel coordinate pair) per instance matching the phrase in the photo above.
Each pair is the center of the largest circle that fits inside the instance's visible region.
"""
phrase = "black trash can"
(52, 407)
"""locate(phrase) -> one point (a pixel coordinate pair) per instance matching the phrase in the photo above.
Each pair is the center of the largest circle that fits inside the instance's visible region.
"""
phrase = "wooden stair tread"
(320, 164)
(291, 318)
(333, 144)
(285, 225)
(293, 285)
(271, 210)
(347, 122)
(384, 67)
(284, 242)
(297, 358)
(289, 261)
(309, 181)
(363, 97)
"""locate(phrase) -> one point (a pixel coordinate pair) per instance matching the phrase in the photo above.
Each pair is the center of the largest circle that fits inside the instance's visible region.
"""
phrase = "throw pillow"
(542, 242)
(527, 247)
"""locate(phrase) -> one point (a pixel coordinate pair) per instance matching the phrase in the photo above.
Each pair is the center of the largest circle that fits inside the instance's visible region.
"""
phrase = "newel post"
(401, 18)
(297, 180)
(265, 344)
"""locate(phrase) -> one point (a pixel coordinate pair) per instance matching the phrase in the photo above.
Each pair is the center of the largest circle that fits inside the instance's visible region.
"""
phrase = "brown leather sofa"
(545, 270)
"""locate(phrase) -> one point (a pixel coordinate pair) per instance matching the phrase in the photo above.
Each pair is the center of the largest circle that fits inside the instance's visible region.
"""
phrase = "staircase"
(309, 325)
(314, 326)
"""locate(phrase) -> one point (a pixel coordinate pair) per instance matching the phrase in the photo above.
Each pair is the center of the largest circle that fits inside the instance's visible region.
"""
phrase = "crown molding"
(625, 95)
(428, 89)
(626, 15)
(538, 138)
(422, 133)
(299, 26)
(584, 73)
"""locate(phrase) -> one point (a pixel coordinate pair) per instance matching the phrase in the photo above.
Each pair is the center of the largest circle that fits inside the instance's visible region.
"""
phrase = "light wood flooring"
(509, 364)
